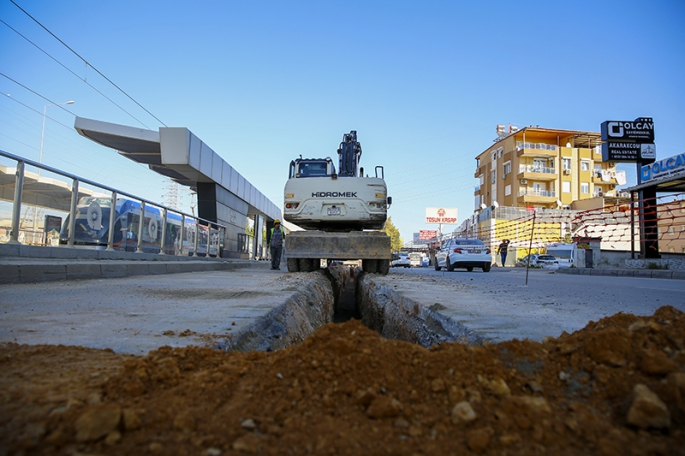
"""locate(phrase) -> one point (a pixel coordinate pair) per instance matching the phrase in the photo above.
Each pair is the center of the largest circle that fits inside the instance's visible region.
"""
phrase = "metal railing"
(536, 169)
(532, 192)
(215, 233)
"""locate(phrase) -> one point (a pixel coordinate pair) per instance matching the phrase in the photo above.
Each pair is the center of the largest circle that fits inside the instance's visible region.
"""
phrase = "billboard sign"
(428, 235)
(628, 151)
(639, 130)
(441, 215)
(663, 168)
(52, 223)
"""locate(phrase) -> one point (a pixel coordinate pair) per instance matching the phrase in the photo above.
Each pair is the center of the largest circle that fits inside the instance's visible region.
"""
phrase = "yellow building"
(543, 168)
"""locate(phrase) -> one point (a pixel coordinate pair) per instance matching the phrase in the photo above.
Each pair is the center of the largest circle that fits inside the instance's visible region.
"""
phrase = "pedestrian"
(276, 244)
(502, 250)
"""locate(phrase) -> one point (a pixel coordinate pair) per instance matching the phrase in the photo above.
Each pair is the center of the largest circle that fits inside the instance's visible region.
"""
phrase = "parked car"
(415, 259)
(546, 261)
(523, 262)
(400, 260)
(463, 253)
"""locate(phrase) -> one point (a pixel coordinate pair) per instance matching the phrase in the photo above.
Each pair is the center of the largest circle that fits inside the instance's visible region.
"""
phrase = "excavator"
(340, 210)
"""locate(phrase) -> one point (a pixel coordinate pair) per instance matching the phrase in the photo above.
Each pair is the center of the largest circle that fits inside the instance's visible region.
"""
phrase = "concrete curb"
(42, 271)
(306, 310)
(645, 273)
(28, 252)
(30, 264)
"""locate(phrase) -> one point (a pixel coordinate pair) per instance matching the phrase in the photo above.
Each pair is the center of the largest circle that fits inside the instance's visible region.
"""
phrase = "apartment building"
(543, 168)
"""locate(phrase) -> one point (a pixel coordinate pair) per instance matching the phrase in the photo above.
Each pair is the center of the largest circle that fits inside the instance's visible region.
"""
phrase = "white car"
(546, 261)
(400, 260)
(463, 253)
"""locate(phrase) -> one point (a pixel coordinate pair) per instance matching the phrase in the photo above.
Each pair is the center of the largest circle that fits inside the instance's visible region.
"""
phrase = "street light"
(42, 133)
(40, 159)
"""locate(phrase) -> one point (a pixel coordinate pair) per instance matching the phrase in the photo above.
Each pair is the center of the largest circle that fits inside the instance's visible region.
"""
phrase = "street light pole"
(40, 160)
(42, 132)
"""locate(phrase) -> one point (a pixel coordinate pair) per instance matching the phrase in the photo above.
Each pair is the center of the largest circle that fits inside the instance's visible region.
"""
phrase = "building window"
(566, 164)
(493, 176)
(507, 168)
(566, 187)
(507, 190)
(494, 156)
(585, 188)
(584, 165)
(482, 179)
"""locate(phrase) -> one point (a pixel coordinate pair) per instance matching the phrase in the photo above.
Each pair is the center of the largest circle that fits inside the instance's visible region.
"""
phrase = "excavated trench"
(337, 294)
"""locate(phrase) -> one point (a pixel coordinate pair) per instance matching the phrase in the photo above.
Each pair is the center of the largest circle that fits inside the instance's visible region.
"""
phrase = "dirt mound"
(615, 387)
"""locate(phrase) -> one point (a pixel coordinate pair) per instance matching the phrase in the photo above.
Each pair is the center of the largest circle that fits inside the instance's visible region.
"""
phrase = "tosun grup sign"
(441, 215)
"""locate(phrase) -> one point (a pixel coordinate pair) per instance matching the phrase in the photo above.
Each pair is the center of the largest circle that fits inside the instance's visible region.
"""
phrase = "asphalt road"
(499, 305)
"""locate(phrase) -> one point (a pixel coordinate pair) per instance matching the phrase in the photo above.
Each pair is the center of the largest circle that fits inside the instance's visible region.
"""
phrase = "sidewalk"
(30, 264)
(625, 272)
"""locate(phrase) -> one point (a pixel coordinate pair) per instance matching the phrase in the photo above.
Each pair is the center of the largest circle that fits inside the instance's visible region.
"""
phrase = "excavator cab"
(311, 167)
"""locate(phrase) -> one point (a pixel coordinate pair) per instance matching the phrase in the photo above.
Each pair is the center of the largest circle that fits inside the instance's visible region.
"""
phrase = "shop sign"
(663, 168)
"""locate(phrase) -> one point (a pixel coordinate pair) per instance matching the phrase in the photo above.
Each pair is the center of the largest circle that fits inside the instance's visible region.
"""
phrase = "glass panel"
(7, 179)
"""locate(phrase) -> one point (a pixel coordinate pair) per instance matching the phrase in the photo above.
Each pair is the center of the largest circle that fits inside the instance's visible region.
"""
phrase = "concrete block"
(175, 268)
(642, 273)
(661, 274)
(158, 268)
(9, 250)
(31, 273)
(109, 270)
(678, 275)
(67, 253)
(9, 273)
(86, 270)
(73, 254)
(625, 272)
(33, 251)
(137, 268)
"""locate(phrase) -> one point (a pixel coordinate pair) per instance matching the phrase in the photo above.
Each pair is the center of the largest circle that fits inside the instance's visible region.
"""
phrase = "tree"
(394, 233)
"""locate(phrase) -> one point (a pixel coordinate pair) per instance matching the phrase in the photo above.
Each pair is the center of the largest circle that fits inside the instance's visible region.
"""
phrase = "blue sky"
(423, 83)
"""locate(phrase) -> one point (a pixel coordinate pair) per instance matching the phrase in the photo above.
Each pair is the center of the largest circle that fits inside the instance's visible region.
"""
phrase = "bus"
(91, 229)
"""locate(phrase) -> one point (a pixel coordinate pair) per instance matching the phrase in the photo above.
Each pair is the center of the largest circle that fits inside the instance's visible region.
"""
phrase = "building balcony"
(537, 173)
(536, 150)
(528, 195)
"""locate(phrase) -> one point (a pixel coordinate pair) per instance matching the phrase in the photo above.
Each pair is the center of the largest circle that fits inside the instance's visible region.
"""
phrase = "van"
(565, 253)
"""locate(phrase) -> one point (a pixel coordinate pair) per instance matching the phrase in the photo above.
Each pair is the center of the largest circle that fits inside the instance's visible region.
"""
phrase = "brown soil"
(616, 387)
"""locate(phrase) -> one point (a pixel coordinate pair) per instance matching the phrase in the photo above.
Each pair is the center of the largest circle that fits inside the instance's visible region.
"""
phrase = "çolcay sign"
(640, 130)
(662, 168)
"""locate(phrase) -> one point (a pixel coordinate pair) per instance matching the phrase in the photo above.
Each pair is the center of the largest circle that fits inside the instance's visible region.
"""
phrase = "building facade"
(547, 168)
